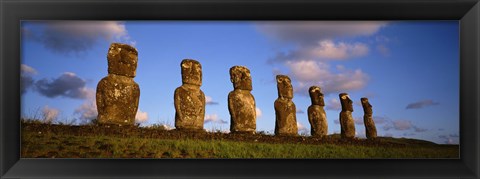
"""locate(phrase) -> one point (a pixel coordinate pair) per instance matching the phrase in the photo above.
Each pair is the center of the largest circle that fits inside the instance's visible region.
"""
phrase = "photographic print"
(240, 89)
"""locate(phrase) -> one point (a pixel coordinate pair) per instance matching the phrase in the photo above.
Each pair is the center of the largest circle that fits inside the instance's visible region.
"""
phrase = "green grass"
(53, 145)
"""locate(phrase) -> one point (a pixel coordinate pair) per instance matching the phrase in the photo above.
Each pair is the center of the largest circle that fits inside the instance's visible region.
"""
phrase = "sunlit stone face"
(316, 96)
(367, 107)
(284, 86)
(122, 60)
(241, 78)
(347, 104)
(191, 72)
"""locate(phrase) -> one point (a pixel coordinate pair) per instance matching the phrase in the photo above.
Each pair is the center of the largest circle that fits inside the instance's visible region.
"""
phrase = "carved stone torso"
(190, 108)
(370, 129)
(347, 125)
(285, 117)
(241, 105)
(117, 99)
(318, 120)
(316, 114)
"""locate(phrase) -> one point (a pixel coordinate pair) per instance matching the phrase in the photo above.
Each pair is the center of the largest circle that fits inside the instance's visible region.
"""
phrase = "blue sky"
(408, 69)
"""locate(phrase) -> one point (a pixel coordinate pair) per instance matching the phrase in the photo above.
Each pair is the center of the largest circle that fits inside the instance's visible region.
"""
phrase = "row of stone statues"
(118, 97)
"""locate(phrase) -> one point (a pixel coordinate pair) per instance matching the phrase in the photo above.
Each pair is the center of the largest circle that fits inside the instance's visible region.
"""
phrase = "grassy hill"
(101, 141)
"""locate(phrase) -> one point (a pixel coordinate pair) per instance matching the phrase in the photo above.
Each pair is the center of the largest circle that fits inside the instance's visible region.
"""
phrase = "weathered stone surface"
(117, 94)
(189, 100)
(122, 60)
(347, 124)
(370, 129)
(285, 110)
(316, 114)
(241, 103)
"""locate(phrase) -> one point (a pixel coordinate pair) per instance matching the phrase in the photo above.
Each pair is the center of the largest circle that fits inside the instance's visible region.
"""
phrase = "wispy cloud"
(25, 69)
(454, 135)
(388, 135)
(209, 101)
(75, 37)
(449, 139)
(87, 111)
(336, 121)
(141, 117)
(333, 104)
(360, 133)
(419, 129)
(26, 78)
(398, 125)
(300, 111)
(325, 50)
(307, 32)
(309, 73)
(49, 114)
(402, 125)
(66, 85)
(421, 104)
(380, 119)
(315, 45)
(301, 128)
(358, 120)
(213, 118)
(258, 112)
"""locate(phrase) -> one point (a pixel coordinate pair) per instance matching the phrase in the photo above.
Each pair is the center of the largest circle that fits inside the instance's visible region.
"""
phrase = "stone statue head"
(367, 107)
(191, 72)
(316, 95)
(347, 104)
(122, 60)
(240, 77)
(284, 87)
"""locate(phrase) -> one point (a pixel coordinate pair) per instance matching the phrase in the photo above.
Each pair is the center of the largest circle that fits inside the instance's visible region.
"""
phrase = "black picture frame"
(12, 12)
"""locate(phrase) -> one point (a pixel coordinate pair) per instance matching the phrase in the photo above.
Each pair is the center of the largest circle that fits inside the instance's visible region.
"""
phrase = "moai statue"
(316, 114)
(347, 124)
(241, 103)
(189, 100)
(370, 129)
(285, 111)
(117, 93)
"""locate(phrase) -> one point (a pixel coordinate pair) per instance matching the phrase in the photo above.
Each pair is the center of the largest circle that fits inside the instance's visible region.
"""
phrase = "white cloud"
(258, 112)
(88, 110)
(309, 73)
(209, 101)
(315, 44)
(214, 119)
(26, 78)
(301, 127)
(141, 116)
(325, 50)
(49, 114)
(25, 69)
